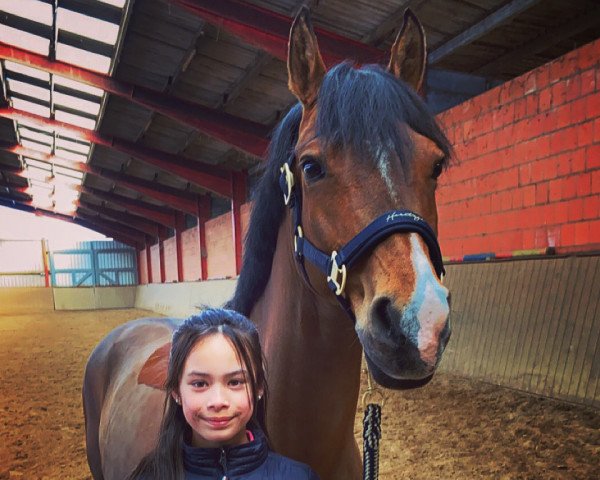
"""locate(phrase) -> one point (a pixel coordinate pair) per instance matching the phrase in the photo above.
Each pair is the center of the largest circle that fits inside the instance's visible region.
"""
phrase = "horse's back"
(116, 404)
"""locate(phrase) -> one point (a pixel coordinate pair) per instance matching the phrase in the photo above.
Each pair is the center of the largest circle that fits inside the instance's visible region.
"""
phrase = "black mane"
(358, 109)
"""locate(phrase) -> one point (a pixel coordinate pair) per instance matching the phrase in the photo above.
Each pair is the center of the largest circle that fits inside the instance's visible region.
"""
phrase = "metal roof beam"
(161, 215)
(133, 233)
(269, 30)
(246, 135)
(480, 29)
(215, 179)
(153, 229)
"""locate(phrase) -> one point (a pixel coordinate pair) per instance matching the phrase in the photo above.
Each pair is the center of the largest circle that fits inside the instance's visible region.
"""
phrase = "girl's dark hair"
(165, 462)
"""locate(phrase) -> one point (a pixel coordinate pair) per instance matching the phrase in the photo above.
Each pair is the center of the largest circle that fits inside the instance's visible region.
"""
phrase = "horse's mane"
(358, 109)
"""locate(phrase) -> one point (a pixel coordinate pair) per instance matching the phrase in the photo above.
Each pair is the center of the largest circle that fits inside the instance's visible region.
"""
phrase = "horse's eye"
(437, 169)
(312, 169)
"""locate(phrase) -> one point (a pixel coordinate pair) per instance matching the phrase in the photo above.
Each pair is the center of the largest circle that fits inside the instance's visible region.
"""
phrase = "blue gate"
(92, 264)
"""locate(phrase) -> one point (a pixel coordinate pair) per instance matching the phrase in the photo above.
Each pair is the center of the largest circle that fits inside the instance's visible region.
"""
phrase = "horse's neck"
(313, 359)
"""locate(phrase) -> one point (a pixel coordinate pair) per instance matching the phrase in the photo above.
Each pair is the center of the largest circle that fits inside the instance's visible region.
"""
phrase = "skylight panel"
(75, 85)
(23, 88)
(30, 107)
(63, 143)
(33, 135)
(24, 40)
(76, 103)
(87, 26)
(68, 172)
(37, 173)
(76, 157)
(41, 185)
(82, 58)
(77, 120)
(36, 126)
(25, 70)
(40, 147)
(61, 181)
(38, 164)
(34, 10)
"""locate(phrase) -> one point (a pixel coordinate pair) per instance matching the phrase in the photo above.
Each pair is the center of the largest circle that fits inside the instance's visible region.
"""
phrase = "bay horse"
(357, 160)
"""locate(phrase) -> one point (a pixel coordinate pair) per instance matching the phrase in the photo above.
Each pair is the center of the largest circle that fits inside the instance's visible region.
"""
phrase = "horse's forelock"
(360, 109)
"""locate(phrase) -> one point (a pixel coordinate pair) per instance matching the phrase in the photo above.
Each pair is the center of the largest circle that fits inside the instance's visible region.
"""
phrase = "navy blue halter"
(335, 266)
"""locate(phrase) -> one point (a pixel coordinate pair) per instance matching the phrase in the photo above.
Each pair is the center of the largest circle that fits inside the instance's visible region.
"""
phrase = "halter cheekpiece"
(337, 264)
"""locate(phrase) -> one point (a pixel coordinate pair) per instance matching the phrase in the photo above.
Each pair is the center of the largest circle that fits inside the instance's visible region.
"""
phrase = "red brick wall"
(192, 268)
(529, 162)
(155, 261)
(219, 247)
(170, 249)
(143, 264)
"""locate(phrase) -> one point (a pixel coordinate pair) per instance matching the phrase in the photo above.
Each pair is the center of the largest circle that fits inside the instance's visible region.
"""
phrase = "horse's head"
(367, 146)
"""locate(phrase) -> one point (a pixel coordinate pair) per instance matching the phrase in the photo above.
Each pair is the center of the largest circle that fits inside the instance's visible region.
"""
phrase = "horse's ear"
(306, 68)
(409, 52)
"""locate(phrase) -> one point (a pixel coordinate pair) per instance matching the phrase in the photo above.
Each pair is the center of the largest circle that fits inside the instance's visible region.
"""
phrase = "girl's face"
(216, 393)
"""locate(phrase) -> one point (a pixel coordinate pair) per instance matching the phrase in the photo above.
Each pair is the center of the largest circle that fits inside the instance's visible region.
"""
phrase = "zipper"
(223, 463)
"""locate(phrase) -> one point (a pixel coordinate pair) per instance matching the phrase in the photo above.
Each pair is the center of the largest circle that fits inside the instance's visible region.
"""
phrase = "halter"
(337, 264)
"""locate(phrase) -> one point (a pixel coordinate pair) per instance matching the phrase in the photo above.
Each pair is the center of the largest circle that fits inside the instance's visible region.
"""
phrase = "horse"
(346, 262)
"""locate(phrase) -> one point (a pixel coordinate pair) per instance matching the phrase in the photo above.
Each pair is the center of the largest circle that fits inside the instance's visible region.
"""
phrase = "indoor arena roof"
(114, 108)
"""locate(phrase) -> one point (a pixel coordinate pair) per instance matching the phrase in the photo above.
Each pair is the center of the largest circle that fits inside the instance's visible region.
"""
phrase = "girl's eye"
(236, 382)
(437, 169)
(199, 384)
(312, 169)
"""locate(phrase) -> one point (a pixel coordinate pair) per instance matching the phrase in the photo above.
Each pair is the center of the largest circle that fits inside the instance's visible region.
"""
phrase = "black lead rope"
(371, 437)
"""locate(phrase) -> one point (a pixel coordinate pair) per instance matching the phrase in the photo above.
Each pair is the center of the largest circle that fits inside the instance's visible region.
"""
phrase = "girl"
(213, 427)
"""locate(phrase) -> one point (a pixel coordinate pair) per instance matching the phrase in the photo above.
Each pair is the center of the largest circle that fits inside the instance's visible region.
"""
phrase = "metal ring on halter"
(289, 180)
(299, 234)
(372, 390)
(335, 272)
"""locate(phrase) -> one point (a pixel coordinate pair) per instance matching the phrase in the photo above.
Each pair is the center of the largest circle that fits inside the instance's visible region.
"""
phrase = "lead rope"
(371, 431)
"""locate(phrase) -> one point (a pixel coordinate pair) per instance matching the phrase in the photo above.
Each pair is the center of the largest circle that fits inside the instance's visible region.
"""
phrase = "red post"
(179, 244)
(203, 217)
(149, 260)
(238, 187)
(45, 260)
(161, 253)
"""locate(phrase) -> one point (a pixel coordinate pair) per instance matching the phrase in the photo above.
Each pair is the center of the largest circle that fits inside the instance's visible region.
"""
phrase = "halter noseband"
(336, 265)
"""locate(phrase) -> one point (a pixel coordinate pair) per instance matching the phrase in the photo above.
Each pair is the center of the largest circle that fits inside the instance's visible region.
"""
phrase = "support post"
(161, 255)
(203, 217)
(238, 188)
(149, 260)
(179, 245)
(46, 263)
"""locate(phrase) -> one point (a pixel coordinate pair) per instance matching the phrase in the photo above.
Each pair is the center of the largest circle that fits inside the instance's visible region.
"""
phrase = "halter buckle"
(289, 181)
(299, 234)
(336, 271)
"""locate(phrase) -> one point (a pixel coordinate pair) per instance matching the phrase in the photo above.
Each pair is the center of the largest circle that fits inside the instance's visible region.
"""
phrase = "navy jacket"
(250, 461)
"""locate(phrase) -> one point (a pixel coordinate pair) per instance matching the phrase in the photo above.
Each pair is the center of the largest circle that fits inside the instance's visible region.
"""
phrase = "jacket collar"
(235, 460)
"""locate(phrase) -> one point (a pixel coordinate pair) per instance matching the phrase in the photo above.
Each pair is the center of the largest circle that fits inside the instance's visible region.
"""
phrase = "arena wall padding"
(532, 325)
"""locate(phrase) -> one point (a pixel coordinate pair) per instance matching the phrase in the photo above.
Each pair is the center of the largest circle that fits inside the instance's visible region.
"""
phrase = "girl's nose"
(218, 398)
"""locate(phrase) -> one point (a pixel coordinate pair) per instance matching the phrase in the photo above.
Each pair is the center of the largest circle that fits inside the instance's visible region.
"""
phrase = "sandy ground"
(452, 429)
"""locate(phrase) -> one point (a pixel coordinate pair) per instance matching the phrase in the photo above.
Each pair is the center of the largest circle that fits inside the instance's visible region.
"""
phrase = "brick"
(528, 193)
(594, 233)
(582, 233)
(588, 82)
(542, 76)
(559, 94)
(585, 134)
(583, 184)
(574, 210)
(593, 106)
(587, 56)
(562, 116)
(563, 164)
(563, 67)
(569, 187)
(572, 88)
(592, 154)
(554, 190)
(541, 193)
(578, 159)
(525, 174)
(562, 212)
(591, 207)
(521, 107)
(532, 105)
(545, 100)
(579, 110)
(530, 82)
(596, 129)
(596, 181)
(567, 234)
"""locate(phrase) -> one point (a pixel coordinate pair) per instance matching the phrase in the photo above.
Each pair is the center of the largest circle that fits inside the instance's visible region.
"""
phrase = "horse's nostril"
(384, 321)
